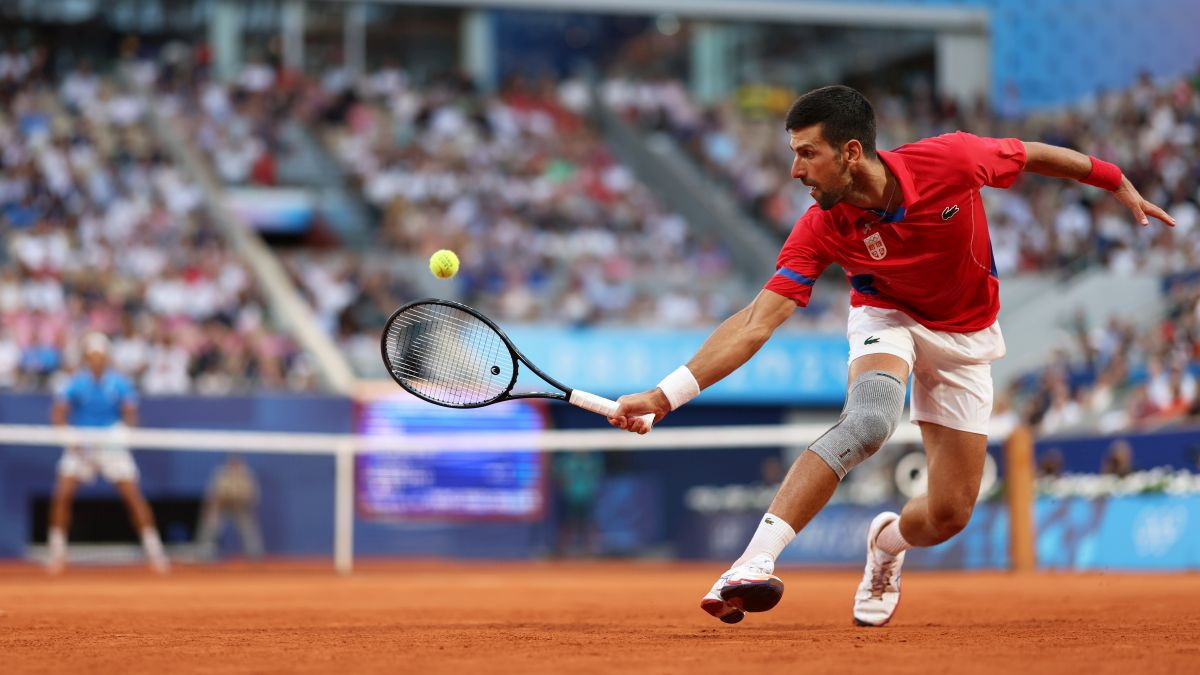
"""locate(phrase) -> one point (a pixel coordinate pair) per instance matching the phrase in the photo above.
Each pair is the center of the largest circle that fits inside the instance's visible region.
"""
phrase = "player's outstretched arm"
(732, 344)
(1051, 160)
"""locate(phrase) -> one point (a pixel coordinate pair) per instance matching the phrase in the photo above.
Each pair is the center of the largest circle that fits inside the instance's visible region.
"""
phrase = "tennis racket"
(449, 354)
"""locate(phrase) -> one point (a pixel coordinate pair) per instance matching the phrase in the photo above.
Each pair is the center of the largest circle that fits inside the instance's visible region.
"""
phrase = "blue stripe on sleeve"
(795, 276)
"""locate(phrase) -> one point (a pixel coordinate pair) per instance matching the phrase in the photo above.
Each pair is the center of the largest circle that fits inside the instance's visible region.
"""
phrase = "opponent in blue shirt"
(98, 396)
(98, 399)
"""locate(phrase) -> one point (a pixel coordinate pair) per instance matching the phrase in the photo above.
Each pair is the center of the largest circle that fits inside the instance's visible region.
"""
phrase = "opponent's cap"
(95, 342)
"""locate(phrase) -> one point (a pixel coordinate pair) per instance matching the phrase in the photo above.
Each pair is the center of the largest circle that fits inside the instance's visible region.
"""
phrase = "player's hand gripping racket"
(448, 353)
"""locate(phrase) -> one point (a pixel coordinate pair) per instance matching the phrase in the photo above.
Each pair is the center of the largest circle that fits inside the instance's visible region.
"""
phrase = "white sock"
(890, 541)
(152, 544)
(57, 540)
(772, 536)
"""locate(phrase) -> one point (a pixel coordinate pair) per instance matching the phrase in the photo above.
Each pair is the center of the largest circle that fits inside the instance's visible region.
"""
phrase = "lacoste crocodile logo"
(871, 340)
(949, 211)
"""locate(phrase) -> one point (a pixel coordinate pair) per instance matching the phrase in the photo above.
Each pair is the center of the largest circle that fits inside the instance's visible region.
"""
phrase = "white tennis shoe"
(750, 587)
(879, 592)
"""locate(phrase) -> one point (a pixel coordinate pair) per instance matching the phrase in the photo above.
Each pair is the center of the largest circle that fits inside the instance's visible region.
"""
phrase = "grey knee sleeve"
(872, 413)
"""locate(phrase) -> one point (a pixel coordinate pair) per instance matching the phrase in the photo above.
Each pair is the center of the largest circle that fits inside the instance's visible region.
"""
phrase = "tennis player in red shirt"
(909, 228)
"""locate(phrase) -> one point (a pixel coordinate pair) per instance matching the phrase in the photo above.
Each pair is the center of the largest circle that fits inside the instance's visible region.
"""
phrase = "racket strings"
(441, 360)
(448, 355)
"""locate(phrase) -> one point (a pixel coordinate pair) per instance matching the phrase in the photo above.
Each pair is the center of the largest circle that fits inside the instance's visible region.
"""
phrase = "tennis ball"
(443, 264)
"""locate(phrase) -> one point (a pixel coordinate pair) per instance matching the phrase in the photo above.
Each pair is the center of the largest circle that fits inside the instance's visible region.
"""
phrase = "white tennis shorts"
(951, 372)
(83, 463)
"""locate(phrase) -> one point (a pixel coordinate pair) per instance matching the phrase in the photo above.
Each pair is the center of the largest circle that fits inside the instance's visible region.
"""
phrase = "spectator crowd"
(552, 228)
(104, 232)
(1039, 225)
(549, 225)
(1118, 375)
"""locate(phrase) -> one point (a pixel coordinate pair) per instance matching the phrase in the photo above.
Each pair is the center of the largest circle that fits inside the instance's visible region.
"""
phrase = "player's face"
(819, 165)
(96, 360)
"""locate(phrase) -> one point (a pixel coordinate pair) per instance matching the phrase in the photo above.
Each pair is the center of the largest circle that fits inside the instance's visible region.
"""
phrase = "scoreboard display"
(460, 484)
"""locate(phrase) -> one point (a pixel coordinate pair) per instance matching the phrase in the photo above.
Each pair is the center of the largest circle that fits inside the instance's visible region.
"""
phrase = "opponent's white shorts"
(83, 463)
(951, 372)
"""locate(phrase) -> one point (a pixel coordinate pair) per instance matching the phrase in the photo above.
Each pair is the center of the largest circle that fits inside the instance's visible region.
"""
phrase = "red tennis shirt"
(932, 257)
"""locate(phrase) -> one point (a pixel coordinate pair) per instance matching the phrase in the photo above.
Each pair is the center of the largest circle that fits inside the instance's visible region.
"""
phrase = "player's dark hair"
(842, 112)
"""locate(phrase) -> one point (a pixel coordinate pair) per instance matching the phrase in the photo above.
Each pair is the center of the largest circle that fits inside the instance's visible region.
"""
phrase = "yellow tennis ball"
(443, 264)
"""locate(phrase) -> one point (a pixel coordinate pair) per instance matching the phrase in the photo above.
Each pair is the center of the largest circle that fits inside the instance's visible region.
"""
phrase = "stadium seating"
(108, 234)
(1125, 376)
(549, 225)
(1038, 226)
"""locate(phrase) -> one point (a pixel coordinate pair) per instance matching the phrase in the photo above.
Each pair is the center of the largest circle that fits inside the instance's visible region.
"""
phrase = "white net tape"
(683, 438)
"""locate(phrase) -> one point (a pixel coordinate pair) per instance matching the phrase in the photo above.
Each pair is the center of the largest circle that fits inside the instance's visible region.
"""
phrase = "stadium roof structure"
(957, 19)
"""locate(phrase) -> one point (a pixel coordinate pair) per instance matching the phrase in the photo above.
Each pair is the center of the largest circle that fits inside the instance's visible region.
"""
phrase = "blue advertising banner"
(1136, 532)
(793, 369)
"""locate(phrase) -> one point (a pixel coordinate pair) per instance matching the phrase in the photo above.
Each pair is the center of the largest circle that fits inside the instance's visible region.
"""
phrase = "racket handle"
(601, 405)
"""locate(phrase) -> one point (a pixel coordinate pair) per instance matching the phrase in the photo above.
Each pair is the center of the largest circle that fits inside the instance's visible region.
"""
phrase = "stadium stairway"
(1037, 313)
(660, 164)
(310, 165)
(1017, 292)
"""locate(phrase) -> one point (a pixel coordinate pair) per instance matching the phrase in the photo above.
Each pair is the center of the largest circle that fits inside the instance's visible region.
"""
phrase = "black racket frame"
(513, 352)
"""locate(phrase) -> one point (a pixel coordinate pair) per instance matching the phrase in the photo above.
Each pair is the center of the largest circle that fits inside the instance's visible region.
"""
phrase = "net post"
(1019, 487)
(343, 520)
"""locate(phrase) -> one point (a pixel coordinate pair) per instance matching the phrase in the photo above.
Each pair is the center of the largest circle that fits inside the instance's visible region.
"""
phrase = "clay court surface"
(581, 618)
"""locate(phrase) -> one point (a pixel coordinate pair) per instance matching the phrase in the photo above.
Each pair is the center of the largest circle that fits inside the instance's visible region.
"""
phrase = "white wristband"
(680, 386)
